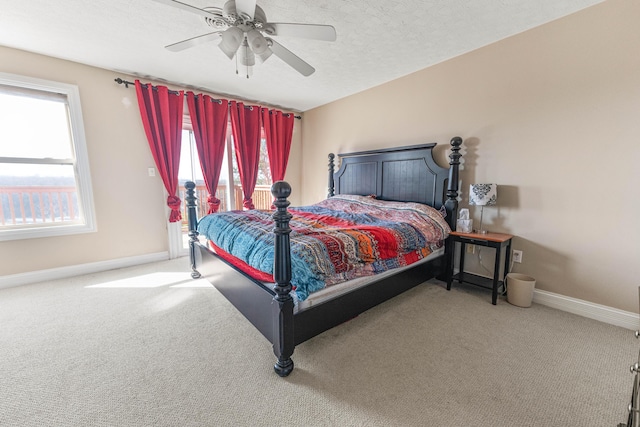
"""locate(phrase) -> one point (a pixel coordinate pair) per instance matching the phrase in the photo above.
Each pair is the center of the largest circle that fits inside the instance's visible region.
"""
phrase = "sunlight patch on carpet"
(156, 280)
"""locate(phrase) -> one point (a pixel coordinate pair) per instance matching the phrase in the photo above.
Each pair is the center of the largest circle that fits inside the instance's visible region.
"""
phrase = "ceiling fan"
(244, 32)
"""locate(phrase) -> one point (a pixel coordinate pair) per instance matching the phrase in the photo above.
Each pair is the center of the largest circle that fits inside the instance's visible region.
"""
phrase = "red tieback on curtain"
(248, 203)
(174, 203)
(214, 204)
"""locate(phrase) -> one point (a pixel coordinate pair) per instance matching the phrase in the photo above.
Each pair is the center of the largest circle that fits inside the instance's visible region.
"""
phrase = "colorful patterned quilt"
(338, 239)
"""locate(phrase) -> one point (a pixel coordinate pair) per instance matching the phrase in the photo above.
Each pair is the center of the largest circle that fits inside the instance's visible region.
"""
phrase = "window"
(229, 200)
(45, 186)
(230, 195)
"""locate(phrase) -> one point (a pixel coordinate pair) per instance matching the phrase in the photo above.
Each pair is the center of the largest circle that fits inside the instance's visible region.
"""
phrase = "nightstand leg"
(496, 272)
(463, 249)
(450, 252)
(507, 259)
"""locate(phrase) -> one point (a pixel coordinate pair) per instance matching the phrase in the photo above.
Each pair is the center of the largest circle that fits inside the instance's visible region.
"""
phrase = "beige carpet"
(148, 346)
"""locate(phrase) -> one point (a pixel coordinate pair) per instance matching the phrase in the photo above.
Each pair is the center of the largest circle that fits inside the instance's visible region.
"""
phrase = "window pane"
(184, 170)
(45, 182)
(38, 194)
(261, 196)
(224, 187)
(264, 173)
(34, 128)
(189, 170)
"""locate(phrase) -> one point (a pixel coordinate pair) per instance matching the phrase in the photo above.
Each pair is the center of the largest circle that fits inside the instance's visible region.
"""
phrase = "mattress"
(339, 289)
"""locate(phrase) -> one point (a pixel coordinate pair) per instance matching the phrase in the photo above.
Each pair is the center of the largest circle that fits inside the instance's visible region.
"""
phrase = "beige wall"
(552, 115)
(130, 205)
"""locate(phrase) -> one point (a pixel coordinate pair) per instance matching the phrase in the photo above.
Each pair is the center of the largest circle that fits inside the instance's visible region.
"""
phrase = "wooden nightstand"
(498, 241)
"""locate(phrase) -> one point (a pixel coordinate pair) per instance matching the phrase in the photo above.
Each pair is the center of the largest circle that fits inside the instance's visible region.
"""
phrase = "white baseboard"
(602, 313)
(12, 280)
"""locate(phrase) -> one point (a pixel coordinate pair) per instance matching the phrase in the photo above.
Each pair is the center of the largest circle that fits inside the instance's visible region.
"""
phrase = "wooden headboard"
(404, 174)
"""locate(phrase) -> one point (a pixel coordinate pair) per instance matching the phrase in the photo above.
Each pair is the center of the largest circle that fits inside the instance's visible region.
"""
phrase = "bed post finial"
(451, 205)
(192, 216)
(283, 338)
(331, 166)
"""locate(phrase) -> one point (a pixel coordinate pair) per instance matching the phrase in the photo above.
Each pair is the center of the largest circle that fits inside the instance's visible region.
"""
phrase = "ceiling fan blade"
(306, 31)
(188, 8)
(290, 58)
(194, 41)
(246, 8)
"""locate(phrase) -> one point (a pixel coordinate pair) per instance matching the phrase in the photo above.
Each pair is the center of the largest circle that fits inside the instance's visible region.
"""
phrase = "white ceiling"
(378, 40)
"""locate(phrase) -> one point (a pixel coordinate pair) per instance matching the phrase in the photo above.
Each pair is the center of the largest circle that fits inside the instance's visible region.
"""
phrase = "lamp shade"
(231, 40)
(257, 42)
(483, 194)
(259, 45)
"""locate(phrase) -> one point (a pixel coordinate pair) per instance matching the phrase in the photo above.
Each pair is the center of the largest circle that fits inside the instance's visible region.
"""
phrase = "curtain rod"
(127, 83)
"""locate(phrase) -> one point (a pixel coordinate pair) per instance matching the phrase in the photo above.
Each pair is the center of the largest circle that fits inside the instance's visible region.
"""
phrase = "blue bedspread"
(338, 239)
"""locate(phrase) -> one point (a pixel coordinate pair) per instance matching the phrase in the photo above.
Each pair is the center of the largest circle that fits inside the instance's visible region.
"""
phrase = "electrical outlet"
(517, 256)
(152, 172)
(471, 249)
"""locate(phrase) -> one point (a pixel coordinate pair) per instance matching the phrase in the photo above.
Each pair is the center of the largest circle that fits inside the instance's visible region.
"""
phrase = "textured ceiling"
(378, 40)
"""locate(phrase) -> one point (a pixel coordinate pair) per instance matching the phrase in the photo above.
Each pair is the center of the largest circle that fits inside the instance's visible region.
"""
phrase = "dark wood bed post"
(331, 192)
(451, 204)
(192, 216)
(283, 337)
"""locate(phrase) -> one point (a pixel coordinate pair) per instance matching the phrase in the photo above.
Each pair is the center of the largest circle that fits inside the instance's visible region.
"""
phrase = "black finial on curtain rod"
(123, 82)
(127, 83)
(144, 85)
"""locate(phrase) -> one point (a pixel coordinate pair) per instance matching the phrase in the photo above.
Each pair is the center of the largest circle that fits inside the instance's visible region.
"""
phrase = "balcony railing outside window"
(262, 199)
(22, 205)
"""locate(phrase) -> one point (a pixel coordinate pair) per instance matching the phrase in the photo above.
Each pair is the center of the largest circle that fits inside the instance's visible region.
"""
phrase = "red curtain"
(278, 130)
(209, 120)
(161, 112)
(245, 126)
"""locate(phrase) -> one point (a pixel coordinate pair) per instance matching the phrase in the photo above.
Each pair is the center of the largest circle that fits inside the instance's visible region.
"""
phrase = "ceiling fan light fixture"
(246, 55)
(243, 25)
(265, 55)
(245, 60)
(231, 40)
(259, 45)
(257, 42)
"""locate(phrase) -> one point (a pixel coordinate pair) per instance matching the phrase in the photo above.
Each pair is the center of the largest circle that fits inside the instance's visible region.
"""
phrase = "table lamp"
(483, 195)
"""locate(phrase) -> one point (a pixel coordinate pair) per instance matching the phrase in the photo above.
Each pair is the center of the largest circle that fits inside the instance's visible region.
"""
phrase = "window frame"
(79, 161)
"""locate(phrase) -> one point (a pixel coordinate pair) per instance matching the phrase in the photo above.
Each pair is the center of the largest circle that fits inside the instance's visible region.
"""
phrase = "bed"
(401, 174)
